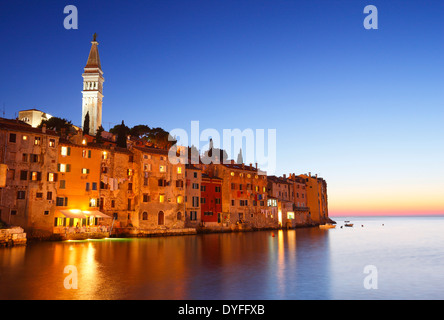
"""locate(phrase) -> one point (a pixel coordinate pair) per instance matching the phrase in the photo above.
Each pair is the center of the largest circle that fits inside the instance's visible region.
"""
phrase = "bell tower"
(92, 94)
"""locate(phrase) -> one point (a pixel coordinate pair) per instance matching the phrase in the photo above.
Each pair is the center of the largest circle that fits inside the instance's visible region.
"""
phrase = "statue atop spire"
(95, 37)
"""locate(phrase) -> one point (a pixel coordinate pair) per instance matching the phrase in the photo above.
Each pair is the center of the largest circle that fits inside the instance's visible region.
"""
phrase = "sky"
(361, 108)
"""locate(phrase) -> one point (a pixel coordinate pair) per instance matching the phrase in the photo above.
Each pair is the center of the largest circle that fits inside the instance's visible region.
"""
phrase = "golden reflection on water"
(190, 267)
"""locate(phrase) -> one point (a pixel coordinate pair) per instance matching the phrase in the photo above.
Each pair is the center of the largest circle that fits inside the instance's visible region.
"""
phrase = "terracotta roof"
(151, 150)
(17, 125)
(277, 179)
(191, 167)
(206, 176)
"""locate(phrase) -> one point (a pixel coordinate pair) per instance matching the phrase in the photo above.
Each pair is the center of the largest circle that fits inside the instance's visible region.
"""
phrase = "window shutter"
(66, 201)
(58, 167)
(68, 168)
(89, 153)
(69, 151)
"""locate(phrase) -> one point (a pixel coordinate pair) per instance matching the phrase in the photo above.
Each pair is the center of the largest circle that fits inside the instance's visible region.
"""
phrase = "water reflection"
(252, 265)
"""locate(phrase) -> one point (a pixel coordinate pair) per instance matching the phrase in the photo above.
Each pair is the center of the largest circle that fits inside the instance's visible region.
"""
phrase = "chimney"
(44, 128)
(243, 165)
(285, 176)
(251, 166)
(309, 174)
(256, 165)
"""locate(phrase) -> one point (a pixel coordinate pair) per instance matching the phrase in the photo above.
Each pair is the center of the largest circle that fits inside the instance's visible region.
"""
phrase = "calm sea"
(377, 258)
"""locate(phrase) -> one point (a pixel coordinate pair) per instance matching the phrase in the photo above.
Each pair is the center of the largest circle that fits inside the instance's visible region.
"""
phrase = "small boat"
(327, 226)
(348, 225)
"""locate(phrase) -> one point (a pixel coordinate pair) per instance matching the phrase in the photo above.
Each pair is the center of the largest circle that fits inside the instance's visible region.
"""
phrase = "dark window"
(21, 194)
(94, 185)
(39, 195)
(23, 175)
(146, 197)
(145, 216)
(61, 201)
(49, 195)
(12, 138)
(13, 212)
(46, 212)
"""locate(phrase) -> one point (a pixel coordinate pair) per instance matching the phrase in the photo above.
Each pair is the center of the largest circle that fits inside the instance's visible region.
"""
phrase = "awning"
(73, 213)
(96, 214)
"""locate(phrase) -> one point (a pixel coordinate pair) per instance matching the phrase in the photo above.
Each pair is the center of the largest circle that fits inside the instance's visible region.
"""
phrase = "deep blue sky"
(362, 108)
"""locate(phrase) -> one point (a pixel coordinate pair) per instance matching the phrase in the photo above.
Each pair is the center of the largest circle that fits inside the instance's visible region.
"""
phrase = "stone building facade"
(30, 155)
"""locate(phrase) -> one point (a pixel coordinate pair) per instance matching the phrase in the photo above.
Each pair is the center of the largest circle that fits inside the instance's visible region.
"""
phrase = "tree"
(122, 132)
(99, 138)
(56, 124)
(141, 131)
(86, 123)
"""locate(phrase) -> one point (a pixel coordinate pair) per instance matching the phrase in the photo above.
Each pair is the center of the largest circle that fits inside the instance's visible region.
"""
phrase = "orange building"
(317, 202)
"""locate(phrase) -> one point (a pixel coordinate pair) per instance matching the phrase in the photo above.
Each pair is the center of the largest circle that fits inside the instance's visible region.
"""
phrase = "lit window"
(52, 143)
(37, 141)
(62, 167)
(64, 151)
(85, 171)
(161, 198)
(84, 141)
(25, 138)
(179, 199)
(50, 176)
(232, 173)
(179, 169)
(104, 155)
(290, 215)
(92, 202)
(162, 168)
(248, 175)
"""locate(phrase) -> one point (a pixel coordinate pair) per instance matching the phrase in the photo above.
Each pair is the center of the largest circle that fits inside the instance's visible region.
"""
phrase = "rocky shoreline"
(13, 236)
